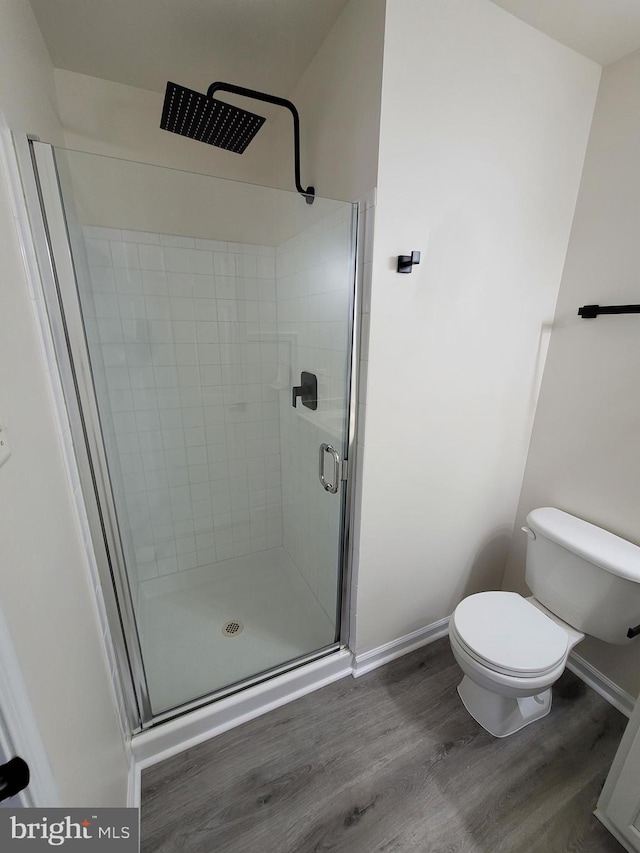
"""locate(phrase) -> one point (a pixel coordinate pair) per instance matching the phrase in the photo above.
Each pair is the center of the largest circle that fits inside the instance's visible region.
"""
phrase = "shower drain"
(233, 628)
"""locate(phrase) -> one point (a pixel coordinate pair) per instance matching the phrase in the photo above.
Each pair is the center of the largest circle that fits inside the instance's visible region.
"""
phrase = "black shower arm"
(309, 193)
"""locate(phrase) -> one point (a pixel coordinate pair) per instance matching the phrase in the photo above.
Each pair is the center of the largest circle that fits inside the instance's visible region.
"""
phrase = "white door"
(19, 734)
(620, 801)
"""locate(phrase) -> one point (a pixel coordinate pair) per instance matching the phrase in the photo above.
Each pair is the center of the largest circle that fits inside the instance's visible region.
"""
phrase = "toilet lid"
(509, 633)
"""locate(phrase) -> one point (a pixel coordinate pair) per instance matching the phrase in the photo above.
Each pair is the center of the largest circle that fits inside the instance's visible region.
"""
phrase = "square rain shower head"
(195, 115)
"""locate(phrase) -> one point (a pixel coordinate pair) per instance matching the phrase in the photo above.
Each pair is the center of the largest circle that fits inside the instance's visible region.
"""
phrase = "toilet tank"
(587, 576)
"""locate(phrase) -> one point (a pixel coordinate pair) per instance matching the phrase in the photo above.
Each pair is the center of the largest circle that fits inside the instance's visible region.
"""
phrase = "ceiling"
(260, 44)
(268, 44)
(603, 30)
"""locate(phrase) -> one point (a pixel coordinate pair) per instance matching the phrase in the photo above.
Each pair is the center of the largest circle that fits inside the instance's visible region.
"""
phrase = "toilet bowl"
(509, 669)
(511, 649)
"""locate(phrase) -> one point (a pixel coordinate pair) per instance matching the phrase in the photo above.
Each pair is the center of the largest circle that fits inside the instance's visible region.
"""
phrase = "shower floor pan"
(187, 645)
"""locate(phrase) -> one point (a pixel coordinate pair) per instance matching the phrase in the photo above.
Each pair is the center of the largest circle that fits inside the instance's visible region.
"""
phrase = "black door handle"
(14, 777)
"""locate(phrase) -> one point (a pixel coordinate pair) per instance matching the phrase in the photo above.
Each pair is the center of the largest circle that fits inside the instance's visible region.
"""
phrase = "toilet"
(512, 649)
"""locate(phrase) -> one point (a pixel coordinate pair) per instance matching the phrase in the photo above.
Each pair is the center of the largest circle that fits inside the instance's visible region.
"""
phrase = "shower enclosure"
(188, 313)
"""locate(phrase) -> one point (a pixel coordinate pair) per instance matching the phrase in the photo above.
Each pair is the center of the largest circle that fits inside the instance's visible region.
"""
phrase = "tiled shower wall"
(314, 284)
(185, 331)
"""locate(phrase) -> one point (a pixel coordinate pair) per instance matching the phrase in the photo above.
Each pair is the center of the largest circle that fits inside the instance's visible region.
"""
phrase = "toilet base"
(502, 715)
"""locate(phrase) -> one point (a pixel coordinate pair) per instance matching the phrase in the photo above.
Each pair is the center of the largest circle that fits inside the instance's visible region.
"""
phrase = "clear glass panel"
(203, 300)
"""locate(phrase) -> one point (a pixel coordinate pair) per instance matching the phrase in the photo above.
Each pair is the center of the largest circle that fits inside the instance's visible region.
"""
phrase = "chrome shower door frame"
(48, 225)
(39, 172)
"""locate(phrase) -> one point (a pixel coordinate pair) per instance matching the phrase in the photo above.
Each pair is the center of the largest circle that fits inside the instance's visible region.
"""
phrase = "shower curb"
(175, 736)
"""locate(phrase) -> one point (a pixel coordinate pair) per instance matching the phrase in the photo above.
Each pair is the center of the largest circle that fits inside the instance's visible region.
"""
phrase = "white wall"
(484, 125)
(585, 454)
(338, 98)
(123, 121)
(44, 583)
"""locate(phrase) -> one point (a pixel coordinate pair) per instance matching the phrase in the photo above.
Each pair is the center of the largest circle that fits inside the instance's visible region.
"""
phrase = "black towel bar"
(587, 312)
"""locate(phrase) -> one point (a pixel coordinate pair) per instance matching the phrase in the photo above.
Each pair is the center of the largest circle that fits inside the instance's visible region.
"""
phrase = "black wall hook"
(406, 262)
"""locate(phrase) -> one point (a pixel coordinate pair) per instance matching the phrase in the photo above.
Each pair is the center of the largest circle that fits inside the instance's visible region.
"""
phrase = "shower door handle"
(331, 487)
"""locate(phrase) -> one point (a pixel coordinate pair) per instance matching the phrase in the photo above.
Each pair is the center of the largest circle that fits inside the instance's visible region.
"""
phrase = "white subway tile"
(193, 437)
(223, 264)
(187, 561)
(184, 331)
(205, 309)
(167, 565)
(246, 265)
(168, 397)
(224, 552)
(186, 354)
(265, 268)
(180, 284)
(106, 306)
(188, 377)
(98, 253)
(185, 545)
(125, 255)
(178, 476)
(198, 336)
(190, 394)
(163, 354)
(177, 260)
(146, 571)
(206, 332)
(181, 309)
(102, 279)
(201, 262)
(203, 286)
(208, 354)
(225, 286)
(151, 257)
(154, 283)
(193, 417)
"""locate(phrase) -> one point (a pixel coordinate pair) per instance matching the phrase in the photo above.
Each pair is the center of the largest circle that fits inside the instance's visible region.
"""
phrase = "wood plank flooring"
(390, 762)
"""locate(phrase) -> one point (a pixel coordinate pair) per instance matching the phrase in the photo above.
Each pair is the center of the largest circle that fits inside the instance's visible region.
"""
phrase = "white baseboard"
(604, 820)
(601, 684)
(134, 784)
(402, 646)
(578, 665)
(175, 736)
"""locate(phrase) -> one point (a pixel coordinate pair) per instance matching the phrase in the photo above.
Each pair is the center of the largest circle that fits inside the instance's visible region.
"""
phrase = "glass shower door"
(214, 323)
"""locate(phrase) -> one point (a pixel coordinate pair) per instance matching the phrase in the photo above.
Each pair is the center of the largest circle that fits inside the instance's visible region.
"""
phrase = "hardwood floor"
(390, 762)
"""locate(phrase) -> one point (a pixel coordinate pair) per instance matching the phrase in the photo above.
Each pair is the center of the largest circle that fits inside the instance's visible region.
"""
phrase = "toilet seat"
(505, 633)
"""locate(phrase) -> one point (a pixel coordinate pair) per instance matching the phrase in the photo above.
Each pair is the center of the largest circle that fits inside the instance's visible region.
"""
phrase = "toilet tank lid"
(592, 543)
